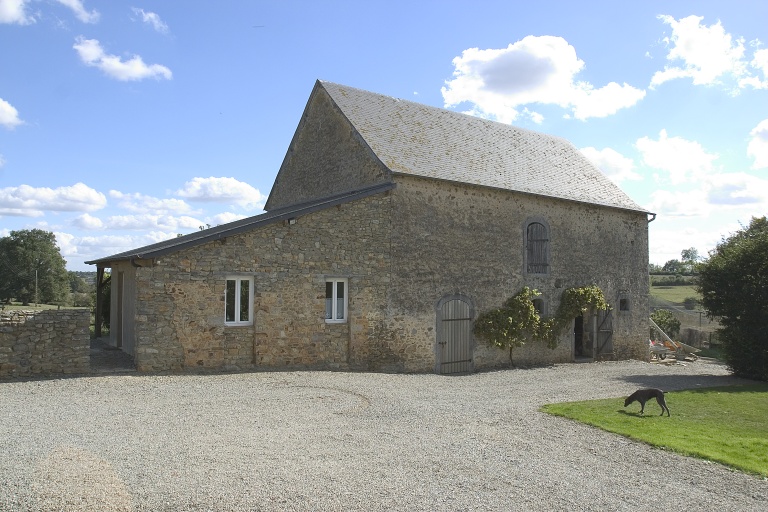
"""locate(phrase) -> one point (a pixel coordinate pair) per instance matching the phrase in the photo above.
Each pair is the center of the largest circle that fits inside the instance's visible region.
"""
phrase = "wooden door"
(454, 336)
(604, 335)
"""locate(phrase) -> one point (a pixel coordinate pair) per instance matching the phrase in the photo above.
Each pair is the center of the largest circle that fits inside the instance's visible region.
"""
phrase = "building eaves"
(233, 228)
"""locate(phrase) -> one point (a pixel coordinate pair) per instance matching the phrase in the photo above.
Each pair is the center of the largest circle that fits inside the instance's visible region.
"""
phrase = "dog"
(643, 395)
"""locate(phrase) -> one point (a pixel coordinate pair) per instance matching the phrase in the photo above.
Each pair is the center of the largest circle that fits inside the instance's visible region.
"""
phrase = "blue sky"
(125, 123)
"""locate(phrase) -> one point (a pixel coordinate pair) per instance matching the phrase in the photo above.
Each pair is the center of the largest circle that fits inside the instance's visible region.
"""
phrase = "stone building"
(390, 226)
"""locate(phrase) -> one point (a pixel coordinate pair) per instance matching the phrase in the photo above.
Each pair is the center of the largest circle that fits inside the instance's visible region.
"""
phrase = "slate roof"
(232, 228)
(419, 140)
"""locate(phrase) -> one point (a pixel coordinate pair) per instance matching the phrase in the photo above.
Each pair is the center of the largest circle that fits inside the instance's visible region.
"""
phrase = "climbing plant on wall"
(517, 321)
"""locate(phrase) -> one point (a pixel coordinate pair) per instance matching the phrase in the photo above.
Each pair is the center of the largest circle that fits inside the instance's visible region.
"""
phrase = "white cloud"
(758, 146)
(91, 247)
(150, 221)
(66, 242)
(92, 54)
(152, 19)
(669, 203)
(714, 194)
(141, 203)
(225, 218)
(759, 63)
(222, 190)
(80, 11)
(2, 161)
(536, 69)
(29, 201)
(705, 53)
(667, 239)
(682, 159)
(9, 116)
(613, 164)
(15, 11)
(88, 222)
(736, 190)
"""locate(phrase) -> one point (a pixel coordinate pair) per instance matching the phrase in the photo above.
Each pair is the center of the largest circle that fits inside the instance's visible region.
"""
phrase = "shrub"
(666, 321)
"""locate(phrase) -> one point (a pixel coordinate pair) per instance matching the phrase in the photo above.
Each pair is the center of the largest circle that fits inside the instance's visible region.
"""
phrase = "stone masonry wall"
(327, 144)
(451, 239)
(180, 300)
(48, 342)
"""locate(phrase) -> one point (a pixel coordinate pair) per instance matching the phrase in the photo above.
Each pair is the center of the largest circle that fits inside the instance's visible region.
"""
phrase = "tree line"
(33, 271)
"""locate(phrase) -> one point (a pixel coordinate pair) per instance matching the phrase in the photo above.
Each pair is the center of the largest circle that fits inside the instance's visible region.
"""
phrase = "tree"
(733, 283)
(689, 259)
(654, 268)
(673, 266)
(32, 268)
(518, 320)
(666, 321)
(690, 255)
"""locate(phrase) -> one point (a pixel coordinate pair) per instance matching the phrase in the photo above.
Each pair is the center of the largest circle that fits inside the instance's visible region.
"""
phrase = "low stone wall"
(49, 342)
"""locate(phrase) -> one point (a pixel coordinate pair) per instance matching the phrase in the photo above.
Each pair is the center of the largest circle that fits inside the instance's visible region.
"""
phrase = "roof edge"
(239, 226)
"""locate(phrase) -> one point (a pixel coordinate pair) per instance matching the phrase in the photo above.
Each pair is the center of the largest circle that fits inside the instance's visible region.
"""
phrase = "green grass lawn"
(726, 425)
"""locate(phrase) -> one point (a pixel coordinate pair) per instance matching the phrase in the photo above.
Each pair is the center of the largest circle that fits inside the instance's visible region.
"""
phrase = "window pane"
(339, 300)
(229, 301)
(245, 295)
(328, 300)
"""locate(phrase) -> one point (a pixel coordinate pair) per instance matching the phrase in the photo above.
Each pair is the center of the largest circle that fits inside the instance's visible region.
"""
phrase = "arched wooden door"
(454, 344)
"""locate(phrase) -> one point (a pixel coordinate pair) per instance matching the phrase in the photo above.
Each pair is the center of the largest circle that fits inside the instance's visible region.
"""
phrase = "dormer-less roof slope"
(419, 140)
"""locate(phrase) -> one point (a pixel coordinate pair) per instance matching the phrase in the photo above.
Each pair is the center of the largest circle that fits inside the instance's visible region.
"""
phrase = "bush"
(666, 321)
(82, 300)
(733, 284)
(690, 303)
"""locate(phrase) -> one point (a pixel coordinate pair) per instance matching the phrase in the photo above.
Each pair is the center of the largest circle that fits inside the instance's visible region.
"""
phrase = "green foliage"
(577, 301)
(690, 303)
(667, 321)
(733, 284)
(517, 321)
(32, 268)
(673, 266)
(512, 324)
(695, 427)
(671, 280)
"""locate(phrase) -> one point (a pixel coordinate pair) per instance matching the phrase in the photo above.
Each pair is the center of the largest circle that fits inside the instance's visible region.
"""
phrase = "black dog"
(643, 395)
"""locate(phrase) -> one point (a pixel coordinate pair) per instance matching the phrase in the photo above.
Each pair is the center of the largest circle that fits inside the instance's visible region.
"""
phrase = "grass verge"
(726, 425)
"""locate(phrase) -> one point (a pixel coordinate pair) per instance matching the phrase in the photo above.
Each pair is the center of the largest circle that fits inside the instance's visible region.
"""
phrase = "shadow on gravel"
(680, 382)
(107, 359)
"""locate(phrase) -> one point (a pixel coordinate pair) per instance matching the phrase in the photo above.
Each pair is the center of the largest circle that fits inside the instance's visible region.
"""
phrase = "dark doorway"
(578, 336)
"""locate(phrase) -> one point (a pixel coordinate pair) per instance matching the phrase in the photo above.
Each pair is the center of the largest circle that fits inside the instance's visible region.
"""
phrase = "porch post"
(99, 287)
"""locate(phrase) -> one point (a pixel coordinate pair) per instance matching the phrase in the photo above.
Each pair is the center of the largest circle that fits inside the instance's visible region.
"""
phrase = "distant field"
(675, 294)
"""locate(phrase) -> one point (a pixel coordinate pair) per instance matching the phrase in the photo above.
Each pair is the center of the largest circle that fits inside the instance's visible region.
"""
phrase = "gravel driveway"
(349, 441)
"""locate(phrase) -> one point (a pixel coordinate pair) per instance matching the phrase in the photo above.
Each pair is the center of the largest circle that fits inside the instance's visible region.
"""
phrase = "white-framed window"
(238, 301)
(336, 296)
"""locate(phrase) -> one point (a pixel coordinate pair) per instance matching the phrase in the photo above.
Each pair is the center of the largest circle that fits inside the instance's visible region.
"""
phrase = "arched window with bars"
(537, 248)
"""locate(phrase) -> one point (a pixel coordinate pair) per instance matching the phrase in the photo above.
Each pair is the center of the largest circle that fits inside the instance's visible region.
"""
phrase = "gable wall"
(326, 157)
(180, 306)
(451, 239)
